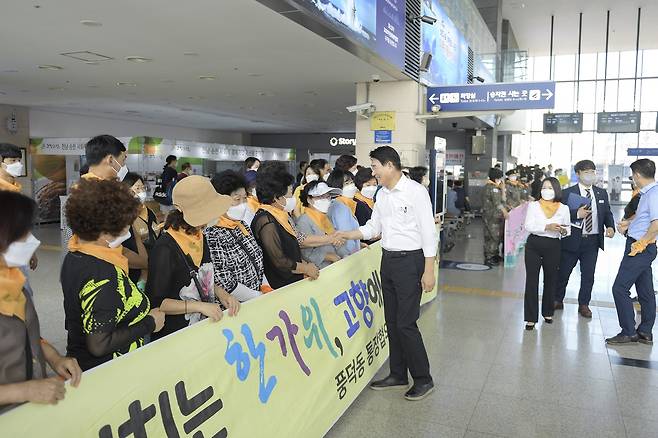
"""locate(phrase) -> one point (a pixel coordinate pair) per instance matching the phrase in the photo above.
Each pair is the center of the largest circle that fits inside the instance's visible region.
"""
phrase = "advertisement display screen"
(447, 45)
(563, 123)
(376, 24)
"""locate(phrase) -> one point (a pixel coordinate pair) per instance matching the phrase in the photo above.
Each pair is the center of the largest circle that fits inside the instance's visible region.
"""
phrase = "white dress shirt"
(536, 220)
(403, 216)
(595, 217)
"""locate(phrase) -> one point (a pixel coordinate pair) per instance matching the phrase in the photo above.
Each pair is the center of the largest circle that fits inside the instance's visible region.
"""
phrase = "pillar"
(404, 98)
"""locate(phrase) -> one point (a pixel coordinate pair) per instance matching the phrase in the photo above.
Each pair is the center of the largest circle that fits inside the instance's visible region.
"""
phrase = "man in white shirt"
(593, 222)
(403, 216)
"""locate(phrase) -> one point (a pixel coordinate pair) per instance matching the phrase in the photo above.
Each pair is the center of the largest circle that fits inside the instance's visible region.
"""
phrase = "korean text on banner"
(289, 365)
(515, 232)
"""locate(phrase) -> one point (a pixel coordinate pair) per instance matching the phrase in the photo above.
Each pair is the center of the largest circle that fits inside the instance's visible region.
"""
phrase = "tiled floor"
(493, 378)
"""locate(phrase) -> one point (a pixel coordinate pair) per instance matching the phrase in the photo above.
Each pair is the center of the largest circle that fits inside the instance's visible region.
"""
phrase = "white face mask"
(513, 177)
(425, 181)
(326, 176)
(354, 170)
(588, 179)
(141, 196)
(322, 205)
(237, 212)
(312, 177)
(349, 191)
(369, 191)
(19, 253)
(14, 169)
(253, 192)
(122, 172)
(290, 204)
(119, 240)
(547, 194)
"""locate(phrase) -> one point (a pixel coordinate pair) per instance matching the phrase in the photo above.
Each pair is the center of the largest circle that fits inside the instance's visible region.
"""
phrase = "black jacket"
(604, 215)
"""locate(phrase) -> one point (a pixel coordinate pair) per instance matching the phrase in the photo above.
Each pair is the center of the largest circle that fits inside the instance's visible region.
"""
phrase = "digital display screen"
(563, 123)
(376, 24)
(618, 122)
(447, 45)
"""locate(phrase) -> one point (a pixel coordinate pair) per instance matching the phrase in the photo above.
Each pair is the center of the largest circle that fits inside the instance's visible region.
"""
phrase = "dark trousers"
(401, 273)
(587, 254)
(635, 270)
(540, 253)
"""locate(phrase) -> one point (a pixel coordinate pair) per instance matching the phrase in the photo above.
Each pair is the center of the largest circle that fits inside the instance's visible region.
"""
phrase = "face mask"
(290, 204)
(18, 254)
(588, 179)
(322, 205)
(325, 177)
(513, 178)
(237, 212)
(349, 191)
(312, 177)
(14, 169)
(119, 240)
(253, 192)
(122, 172)
(425, 182)
(141, 196)
(255, 169)
(547, 194)
(354, 170)
(369, 191)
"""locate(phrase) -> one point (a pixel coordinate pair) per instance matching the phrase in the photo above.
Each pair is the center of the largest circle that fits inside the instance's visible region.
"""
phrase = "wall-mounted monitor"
(627, 122)
(563, 123)
(479, 145)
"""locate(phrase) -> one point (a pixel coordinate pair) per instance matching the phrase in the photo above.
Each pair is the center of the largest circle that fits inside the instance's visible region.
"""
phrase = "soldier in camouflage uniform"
(513, 188)
(493, 214)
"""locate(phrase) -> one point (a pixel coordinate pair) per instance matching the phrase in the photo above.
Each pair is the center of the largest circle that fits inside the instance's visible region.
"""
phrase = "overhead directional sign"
(618, 122)
(642, 152)
(491, 97)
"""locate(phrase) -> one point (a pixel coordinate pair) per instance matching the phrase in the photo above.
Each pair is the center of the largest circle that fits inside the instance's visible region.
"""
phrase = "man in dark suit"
(592, 222)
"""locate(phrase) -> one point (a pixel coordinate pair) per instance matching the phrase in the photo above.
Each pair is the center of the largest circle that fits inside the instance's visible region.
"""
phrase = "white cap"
(322, 189)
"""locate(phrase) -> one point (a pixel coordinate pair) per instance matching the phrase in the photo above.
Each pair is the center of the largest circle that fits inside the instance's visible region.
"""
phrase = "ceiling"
(531, 23)
(270, 74)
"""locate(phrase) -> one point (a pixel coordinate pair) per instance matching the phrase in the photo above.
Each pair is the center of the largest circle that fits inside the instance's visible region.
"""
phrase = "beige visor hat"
(196, 197)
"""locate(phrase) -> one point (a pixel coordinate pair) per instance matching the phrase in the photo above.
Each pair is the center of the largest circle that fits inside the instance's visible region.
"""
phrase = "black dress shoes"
(389, 382)
(622, 339)
(645, 338)
(419, 391)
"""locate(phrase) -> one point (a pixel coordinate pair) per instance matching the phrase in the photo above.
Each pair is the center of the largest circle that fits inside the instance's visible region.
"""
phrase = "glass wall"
(595, 92)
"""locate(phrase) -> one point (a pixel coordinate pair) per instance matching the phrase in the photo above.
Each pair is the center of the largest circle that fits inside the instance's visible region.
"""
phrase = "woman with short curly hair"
(106, 315)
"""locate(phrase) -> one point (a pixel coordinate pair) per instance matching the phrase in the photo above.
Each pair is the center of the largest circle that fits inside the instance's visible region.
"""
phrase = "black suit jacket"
(604, 215)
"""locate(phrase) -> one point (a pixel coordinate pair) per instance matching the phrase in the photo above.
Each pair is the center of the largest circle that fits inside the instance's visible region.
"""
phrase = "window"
(588, 66)
(565, 68)
(565, 97)
(586, 95)
(604, 148)
(626, 95)
(625, 142)
(648, 93)
(627, 64)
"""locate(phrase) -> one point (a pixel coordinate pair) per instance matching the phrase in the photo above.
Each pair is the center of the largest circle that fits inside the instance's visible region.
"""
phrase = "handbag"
(194, 276)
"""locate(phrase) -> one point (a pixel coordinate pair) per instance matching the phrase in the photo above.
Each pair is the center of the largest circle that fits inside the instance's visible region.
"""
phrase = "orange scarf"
(12, 298)
(282, 217)
(90, 176)
(225, 222)
(113, 256)
(549, 207)
(350, 203)
(253, 203)
(190, 244)
(10, 187)
(320, 219)
(369, 202)
(493, 184)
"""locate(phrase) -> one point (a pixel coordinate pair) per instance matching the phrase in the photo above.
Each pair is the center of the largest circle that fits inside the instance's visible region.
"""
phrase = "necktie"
(588, 218)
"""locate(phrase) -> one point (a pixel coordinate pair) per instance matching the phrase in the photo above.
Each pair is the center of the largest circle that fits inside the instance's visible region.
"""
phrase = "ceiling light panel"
(87, 56)
(50, 67)
(138, 59)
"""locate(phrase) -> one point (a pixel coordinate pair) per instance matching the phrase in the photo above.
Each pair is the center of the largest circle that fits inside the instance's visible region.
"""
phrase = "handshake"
(338, 238)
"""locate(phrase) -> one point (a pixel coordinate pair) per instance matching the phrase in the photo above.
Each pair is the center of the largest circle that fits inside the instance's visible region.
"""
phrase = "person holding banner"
(404, 218)
(23, 352)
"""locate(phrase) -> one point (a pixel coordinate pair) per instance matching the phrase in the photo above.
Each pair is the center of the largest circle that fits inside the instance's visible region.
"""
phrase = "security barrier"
(288, 365)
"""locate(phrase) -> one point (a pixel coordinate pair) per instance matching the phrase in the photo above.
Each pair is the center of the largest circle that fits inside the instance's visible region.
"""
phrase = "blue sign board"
(383, 137)
(492, 97)
(376, 24)
(642, 152)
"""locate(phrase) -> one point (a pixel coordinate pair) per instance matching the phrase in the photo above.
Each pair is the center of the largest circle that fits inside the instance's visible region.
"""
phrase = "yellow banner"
(288, 365)
(382, 121)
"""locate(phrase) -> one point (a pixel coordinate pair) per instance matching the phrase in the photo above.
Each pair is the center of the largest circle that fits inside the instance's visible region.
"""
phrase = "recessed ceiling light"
(190, 54)
(207, 78)
(138, 59)
(126, 84)
(50, 67)
(91, 23)
(91, 62)
(87, 55)
(255, 75)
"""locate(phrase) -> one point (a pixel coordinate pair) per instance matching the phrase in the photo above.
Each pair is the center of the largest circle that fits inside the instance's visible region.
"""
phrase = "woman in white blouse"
(547, 221)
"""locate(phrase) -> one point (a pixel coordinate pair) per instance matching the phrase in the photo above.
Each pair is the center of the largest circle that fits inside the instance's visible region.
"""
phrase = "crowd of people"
(132, 275)
(569, 225)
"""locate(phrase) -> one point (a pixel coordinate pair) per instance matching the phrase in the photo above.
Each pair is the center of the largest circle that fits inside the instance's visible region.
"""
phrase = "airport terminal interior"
(467, 92)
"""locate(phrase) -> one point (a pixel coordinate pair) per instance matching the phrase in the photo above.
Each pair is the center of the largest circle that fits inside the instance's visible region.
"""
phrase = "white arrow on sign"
(433, 98)
(548, 94)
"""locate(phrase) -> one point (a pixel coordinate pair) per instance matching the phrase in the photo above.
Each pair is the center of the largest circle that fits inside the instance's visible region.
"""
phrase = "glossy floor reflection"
(493, 378)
